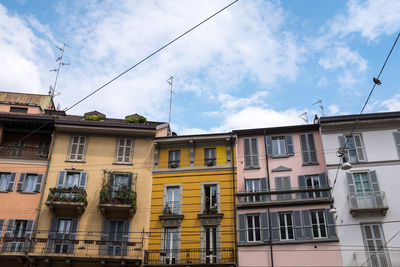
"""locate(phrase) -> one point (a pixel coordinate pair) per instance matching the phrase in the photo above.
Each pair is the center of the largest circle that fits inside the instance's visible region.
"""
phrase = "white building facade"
(367, 196)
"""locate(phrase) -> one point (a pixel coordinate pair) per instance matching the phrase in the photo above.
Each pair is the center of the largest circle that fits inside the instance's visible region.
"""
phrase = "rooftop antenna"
(170, 81)
(52, 89)
(304, 117)
(321, 107)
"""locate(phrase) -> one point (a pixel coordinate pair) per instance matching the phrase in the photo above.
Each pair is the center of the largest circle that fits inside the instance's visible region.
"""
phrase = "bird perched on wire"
(377, 81)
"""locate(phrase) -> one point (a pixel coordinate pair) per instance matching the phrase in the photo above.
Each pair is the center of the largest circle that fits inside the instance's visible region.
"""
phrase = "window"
(312, 182)
(124, 150)
(71, 180)
(253, 228)
(362, 184)
(308, 151)
(16, 236)
(19, 232)
(250, 153)
(318, 224)
(286, 226)
(397, 141)
(172, 203)
(210, 157)
(7, 181)
(253, 185)
(374, 241)
(18, 148)
(278, 146)
(43, 149)
(364, 190)
(63, 233)
(18, 109)
(30, 182)
(115, 237)
(116, 230)
(171, 245)
(355, 145)
(119, 181)
(174, 159)
(210, 198)
(211, 244)
(77, 148)
(283, 183)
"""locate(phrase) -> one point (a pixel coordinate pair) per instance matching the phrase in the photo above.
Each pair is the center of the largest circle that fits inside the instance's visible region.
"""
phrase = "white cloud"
(343, 57)
(392, 104)
(333, 109)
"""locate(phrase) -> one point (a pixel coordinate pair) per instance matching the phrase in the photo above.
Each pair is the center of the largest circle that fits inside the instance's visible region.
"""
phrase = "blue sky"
(257, 64)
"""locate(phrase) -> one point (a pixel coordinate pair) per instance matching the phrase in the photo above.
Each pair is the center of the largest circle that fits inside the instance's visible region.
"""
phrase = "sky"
(256, 64)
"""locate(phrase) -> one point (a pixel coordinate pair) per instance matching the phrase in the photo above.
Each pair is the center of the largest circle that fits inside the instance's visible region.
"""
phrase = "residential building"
(25, 140)
(284, 199)
(192, 218)
(96, 201)
(367, 194)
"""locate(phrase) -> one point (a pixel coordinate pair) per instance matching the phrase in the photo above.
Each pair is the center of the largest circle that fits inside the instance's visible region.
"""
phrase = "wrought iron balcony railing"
(374, 201)
(190, 256)
(287, 196)
(388, 258)
(24, 152)
(67, 201)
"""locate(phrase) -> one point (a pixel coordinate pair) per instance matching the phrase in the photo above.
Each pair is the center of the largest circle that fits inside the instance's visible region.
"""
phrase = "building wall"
(382, 157)
(31, 109)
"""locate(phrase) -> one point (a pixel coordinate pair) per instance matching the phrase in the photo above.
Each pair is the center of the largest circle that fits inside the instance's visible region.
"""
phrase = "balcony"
(85, 250)
(24, 152)
(389, 258)
(291, 196)
(67, 201)
(373, 202)
(117, 203)
(200, 257)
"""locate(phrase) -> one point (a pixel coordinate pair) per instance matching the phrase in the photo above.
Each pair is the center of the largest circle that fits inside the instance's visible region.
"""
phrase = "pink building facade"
(284, 198)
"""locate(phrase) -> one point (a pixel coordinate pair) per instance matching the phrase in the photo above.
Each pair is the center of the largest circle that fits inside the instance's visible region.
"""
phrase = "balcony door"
(253, 185)
(63, 236)
(211, 244)
(374, 241)
(116, 230)
(363, 190)
(171, 245)
(173, 199)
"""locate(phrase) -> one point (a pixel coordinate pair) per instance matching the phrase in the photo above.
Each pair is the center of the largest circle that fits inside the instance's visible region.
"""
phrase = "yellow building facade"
(193, 212)
(96, 201)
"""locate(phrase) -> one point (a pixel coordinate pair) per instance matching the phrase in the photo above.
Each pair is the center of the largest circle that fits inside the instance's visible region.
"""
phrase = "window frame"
(124, 148)
(70, 156)
(165, 197)
(312, 178)
(6, 181)
(254, 229)
(285, 225)
(318, 224)
(210, 156)
(280, 140)
(33, 184)
(251, 156)
(174, 159)
(253, 182)
(357, 149)
(306, 148)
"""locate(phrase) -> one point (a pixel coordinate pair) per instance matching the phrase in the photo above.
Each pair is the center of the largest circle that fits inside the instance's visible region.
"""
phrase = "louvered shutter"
(330, 221)
(125, 238)
(279, 186)
(11, 183)
(6, 247)
(72, 236)
(304, 150)
(1, 227)
(104, 238)
(264, 188)
(83, 180)
(264, 227)
(61, 179)
(242, 229)
(350, 183)
(289, 145)
(342, 143)
(52, 235)
(39, 182)
(21, 183)
(298, 230)
(307, 228)
(254, 152)
(275, 226)
(302, 185)
(28, 235)
(311, 148)
(268, 144)
(396, 136)
(324, 184)
(247, 161)
(374, 181)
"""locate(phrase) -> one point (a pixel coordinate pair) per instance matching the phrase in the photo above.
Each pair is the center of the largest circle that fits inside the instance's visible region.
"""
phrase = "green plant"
(136, 119)
(94, 117)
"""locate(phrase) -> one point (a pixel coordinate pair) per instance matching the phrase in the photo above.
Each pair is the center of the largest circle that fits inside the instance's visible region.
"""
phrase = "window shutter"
(396, 136)
(111, 177)
(104, 238)
(350, 183)
(61, 178)
(28, 235)
(12, 182)
(39, 182)
(117, 150)
(268, 144)
(242, 229)
(1, 227)
(302, 185)
(279, 186)
(180, 200)
(130, 177)
(311, 147)
(306, 224)
(125, 238)
(342, 142)
(264, 188)
(8, 233)
(330, 221)
(358, 142)
(21, 182)
(52, 235)
(286, 186)
(74, 230)
(304, 150)
(264, 227)
(254, 152)
(374, 181)
(83, 180)
(274, 226)
(324, 184)
(289, 145)
(298, 231)
(247, 152)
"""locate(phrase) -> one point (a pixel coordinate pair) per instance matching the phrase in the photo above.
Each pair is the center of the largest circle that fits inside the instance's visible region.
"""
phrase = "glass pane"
(121, 142)
(368, 233)
(250, 221)
(75, 139)
(282, 146)
(257, 221)
(258, 234)
(377, 233)
(275, 150)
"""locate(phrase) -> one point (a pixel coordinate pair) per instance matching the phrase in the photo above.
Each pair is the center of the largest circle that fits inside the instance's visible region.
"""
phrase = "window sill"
(252, 168)
(311, 164)
(289, 242)
(122, 163)
(280, 156)
(5, 191)
(29, 193)
(75, 161)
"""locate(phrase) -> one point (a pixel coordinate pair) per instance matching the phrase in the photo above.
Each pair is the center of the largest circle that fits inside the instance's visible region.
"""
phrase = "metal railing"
(171, 208)
(287, 195)
(373, 200)
(189, 256)
(389, 258)
(24, 152)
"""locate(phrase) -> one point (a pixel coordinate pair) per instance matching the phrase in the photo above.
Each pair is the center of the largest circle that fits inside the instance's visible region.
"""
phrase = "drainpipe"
(269, 214)
(234, 199)
(53, 137)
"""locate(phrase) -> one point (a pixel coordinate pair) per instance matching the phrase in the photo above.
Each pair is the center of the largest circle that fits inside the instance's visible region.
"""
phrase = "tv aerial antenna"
(321, 107)
(170, 81)
(304, 117)
(52, 89)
